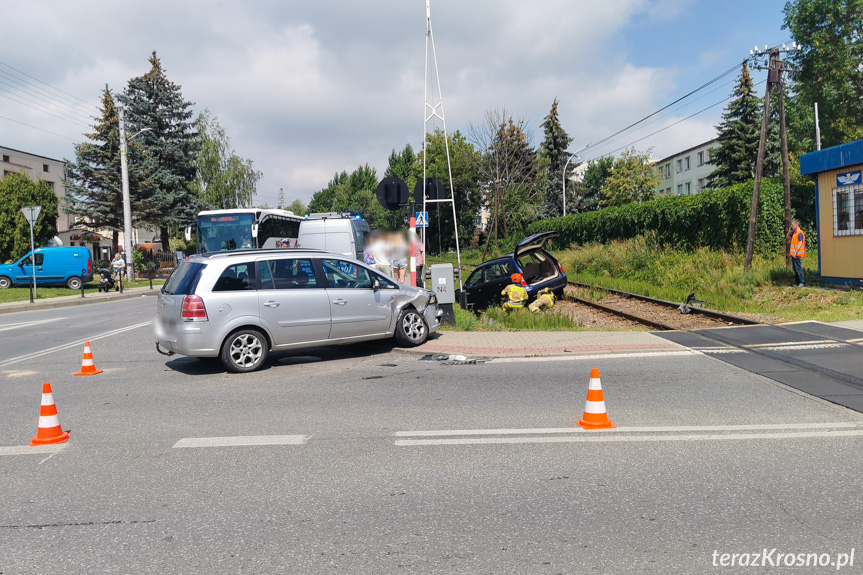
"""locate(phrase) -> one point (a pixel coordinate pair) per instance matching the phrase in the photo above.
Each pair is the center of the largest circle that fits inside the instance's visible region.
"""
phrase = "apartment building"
(686, 172)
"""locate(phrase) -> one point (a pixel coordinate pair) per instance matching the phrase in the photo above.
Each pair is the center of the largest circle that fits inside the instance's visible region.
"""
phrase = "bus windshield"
(225, 232)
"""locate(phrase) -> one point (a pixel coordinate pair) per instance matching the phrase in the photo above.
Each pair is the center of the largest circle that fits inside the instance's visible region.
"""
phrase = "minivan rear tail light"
(89, 266)
(193, 309)
(560, 267)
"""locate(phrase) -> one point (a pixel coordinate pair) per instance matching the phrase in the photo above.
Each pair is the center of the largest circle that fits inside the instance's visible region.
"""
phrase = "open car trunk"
(538, 267)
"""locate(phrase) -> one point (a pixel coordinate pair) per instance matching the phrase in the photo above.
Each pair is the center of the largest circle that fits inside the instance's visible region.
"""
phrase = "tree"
(464, 162)
(298, 207)
(352, 192)
(155, 103)
(94, 186)
(553, 155)
(508, 172)
(401, 165)
(633, 179)
(830, 73)
(738, 137)
(597, 173)
(223, 180)
(17, 190)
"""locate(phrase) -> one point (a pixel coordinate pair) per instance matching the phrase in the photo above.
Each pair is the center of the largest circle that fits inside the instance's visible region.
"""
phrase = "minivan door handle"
(339, 301)
(271, 304)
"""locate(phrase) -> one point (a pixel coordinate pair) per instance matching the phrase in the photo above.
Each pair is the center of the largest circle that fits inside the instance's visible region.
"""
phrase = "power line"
(44, 111)
(31, 90)
(40, 129)
(672, 125)
(670, 112)
(46, 84)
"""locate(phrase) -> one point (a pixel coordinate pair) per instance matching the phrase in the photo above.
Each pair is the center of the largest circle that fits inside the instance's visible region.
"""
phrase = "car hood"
(534, 242)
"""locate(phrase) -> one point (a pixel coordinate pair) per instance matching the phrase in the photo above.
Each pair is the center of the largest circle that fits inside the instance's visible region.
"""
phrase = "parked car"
(538, 268)
(54, 266)
(240, 305)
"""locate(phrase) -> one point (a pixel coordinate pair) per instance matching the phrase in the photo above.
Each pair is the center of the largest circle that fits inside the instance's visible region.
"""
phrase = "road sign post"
(31, 214)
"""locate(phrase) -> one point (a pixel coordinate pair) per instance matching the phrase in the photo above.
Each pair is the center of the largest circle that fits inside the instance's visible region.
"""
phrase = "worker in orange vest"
(797, 250)
(515, 294)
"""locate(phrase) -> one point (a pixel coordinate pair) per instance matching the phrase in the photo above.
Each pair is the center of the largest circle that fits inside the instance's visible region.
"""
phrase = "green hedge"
(717, 219)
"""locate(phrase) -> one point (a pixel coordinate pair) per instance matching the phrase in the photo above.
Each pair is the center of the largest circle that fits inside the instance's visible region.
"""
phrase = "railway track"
(654, 313)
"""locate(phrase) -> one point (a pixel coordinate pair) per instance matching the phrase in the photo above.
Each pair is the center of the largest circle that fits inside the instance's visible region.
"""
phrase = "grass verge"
(639, 265)
(22, 294)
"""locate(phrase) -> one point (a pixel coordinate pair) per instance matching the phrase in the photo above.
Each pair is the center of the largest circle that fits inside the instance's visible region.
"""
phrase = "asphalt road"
(386, 463)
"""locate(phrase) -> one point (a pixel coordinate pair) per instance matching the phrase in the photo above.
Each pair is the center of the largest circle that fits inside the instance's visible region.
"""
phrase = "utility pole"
(127, 204)
(775, 68)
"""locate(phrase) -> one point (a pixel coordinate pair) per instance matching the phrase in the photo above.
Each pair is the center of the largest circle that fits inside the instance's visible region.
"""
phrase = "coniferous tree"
(94, 185)
(553, 155)
(739, 133)
(155, 103)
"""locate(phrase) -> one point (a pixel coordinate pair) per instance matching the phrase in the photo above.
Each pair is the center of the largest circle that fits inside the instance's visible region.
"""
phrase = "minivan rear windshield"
(184, 280)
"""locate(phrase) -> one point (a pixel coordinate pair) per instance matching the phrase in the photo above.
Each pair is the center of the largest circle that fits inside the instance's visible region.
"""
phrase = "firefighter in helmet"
(516, 295)
(545, 299)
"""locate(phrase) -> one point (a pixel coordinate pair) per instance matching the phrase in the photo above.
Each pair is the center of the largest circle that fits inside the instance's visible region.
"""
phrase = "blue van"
(54, 265)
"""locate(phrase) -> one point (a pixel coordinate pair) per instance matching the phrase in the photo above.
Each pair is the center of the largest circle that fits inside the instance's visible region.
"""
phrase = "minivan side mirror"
(188, 233)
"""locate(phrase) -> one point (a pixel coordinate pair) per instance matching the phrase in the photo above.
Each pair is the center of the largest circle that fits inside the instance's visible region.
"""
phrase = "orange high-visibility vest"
(798, 245)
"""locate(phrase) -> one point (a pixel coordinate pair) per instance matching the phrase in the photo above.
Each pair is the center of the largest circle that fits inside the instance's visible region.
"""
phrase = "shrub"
(715, 219)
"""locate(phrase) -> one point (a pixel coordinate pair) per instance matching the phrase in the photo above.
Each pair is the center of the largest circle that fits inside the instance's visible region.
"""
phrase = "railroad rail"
(708, 313)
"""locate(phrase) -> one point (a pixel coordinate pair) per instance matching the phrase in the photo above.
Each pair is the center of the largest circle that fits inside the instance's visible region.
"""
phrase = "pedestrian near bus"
(420, 255)
(118, 266)
(797, 251)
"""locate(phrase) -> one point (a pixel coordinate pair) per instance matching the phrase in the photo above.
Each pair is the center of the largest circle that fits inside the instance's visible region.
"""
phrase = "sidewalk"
(542, 343)
(71, 300)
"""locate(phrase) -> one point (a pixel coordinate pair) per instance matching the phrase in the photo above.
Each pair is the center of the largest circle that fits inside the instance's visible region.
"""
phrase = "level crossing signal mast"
(775, 68)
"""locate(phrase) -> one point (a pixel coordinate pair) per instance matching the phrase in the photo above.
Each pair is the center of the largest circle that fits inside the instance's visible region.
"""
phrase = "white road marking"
(576, 429)
(805, 346)
(721, 350)
(73, 344)
(34, 450)
(242, 441)
(790, 343)
(646, 354)
(18, 373)
(9, 326)
(628, 438)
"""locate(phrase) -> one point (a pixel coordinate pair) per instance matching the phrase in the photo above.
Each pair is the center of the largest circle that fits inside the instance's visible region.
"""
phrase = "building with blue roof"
(838, 174)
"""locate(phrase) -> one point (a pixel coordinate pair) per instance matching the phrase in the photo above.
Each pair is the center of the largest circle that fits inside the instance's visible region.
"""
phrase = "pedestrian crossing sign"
(422, 219)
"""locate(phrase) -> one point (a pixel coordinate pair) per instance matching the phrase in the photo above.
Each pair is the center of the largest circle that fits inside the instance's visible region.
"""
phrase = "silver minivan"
(240, 305)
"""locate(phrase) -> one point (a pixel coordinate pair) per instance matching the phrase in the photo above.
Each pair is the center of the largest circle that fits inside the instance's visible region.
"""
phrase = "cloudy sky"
(306, 89)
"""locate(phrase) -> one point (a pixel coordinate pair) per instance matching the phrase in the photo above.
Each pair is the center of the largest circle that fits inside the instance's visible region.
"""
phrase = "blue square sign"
(422, 219)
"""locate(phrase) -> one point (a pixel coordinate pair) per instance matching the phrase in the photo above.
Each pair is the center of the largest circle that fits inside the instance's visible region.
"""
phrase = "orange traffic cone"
(595, 416)
(49, 430)
(87, 365)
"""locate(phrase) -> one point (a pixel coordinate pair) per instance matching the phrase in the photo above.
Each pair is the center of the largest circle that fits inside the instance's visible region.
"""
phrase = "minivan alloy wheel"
(244, 351)
(411, 328)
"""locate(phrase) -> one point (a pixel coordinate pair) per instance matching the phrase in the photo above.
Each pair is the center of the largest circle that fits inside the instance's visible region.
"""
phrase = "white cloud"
(309, 89)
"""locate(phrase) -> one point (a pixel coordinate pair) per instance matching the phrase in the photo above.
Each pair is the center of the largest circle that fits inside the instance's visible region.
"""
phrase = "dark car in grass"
(538, 268)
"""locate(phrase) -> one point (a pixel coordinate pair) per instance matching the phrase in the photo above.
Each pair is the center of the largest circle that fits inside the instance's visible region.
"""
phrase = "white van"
(337, 233)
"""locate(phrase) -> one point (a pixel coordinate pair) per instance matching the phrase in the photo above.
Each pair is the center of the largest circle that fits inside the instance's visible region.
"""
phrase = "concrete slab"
(819, 329)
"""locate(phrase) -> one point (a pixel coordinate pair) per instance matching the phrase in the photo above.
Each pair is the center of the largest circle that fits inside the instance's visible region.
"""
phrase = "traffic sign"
(422, 219)
(392, 193)
(31, 213)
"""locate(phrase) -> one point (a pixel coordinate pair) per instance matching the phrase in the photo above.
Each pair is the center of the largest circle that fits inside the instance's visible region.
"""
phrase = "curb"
(70, 301)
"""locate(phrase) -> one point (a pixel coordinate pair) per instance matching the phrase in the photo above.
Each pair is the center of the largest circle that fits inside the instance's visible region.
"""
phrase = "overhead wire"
(36, 128)
(36, 92)
(667, 106)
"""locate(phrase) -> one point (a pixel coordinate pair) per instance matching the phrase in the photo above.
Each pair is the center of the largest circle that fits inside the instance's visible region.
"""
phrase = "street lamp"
(127, 205)
(571, 156)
